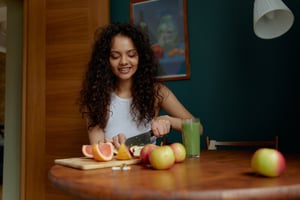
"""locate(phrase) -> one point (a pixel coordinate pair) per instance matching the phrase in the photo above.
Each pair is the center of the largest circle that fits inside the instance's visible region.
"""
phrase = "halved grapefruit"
(123, 153)
(103, 151)
(87, 150)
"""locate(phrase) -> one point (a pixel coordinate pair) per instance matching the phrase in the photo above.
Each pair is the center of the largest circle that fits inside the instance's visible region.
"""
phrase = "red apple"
(179, 151)
(145, 153)
(162, 157)
(268, 162)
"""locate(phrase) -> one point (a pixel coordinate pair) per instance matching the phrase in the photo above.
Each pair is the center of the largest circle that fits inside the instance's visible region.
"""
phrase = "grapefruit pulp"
(103, 151)
(87, 150)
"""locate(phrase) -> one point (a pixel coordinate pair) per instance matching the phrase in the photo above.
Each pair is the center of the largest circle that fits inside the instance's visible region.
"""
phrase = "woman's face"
(123, 57)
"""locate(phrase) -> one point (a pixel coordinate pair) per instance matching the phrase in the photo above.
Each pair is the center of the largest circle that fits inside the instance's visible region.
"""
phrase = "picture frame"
(165, 22)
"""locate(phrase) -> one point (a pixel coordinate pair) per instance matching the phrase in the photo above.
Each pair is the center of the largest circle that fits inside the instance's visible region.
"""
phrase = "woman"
(121, 96)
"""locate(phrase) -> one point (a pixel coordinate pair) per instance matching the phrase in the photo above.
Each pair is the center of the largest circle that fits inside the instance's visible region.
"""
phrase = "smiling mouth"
(124, 69)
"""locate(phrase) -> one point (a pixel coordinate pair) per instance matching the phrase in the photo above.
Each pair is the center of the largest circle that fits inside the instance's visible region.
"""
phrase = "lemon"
(123, 153)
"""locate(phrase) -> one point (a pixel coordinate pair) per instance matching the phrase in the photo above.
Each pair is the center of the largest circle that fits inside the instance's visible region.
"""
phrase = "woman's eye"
(114, 56)
(132, 54)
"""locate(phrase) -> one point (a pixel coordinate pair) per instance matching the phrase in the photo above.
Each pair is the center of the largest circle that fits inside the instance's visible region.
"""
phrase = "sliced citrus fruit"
(103, 151)
(87, 150)
(123, 153)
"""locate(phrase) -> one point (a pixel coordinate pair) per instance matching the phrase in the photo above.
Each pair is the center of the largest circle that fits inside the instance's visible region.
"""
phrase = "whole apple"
(179, 151)
(268, 162)
(162, 157)
(145, 153)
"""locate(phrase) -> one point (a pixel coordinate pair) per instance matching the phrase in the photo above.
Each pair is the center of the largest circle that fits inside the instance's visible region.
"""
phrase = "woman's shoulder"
(160, 86)
(162, 89)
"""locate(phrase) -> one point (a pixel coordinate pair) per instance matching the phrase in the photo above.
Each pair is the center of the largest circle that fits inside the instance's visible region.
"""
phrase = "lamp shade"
(271, 18)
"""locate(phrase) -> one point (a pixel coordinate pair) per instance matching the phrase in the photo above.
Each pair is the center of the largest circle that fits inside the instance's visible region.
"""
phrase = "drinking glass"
(191, 136)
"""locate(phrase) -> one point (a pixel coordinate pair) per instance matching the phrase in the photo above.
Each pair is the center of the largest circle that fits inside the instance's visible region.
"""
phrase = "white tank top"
(120, 119)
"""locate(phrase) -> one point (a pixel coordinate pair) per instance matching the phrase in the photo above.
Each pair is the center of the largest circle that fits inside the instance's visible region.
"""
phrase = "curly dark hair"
(99, 81)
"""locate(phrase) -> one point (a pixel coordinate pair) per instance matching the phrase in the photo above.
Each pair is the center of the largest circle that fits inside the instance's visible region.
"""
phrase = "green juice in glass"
(191, 136)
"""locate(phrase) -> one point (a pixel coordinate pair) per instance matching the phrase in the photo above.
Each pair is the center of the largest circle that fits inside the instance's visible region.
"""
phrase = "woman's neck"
(123, 89)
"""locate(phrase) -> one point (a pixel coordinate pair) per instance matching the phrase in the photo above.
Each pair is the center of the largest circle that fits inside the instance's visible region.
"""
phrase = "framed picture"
(165, 22)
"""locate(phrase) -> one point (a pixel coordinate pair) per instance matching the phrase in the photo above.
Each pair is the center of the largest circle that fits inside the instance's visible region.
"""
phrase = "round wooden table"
(215, 175)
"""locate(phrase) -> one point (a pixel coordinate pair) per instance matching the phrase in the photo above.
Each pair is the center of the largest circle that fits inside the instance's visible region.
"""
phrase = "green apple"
(162, 157)
(268, 162)
(179, 151)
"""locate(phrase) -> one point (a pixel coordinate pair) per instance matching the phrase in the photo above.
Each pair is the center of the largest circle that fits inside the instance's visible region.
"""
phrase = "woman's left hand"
(161, 126)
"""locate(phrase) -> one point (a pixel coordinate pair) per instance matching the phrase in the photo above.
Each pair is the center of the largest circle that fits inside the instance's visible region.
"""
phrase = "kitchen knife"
(139, 140)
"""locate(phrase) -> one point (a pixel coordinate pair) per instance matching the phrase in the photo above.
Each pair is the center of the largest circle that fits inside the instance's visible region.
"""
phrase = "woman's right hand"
(161, 126)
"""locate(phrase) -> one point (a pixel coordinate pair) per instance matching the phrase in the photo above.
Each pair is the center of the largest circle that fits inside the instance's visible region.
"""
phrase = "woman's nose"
(123, 60)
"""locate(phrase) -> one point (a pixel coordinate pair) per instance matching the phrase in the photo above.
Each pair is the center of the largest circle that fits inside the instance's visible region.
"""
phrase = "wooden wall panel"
(61, 62)
(33, 102)
(67, 26)
(62, 40)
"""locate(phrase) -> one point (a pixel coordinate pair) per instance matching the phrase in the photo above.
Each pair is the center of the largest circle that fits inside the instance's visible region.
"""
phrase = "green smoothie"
(191, 137)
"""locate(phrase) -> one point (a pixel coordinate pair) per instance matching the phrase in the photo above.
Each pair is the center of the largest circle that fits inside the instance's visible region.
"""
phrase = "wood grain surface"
(215, 175)
(89, 163)
(57, 42)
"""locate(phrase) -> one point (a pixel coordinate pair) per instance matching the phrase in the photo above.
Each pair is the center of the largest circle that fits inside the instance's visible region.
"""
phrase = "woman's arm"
(175, 110)
(96, 135)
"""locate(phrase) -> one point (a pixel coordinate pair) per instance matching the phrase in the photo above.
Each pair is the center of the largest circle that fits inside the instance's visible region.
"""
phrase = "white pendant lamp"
(271, 18)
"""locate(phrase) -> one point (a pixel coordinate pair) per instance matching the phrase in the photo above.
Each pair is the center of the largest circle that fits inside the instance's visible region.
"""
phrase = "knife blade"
(139, 140)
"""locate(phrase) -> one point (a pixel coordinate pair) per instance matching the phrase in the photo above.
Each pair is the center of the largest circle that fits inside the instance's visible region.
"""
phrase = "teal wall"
(241, 86)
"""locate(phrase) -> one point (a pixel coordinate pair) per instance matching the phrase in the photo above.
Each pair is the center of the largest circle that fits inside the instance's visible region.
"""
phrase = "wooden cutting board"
(85, 163)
